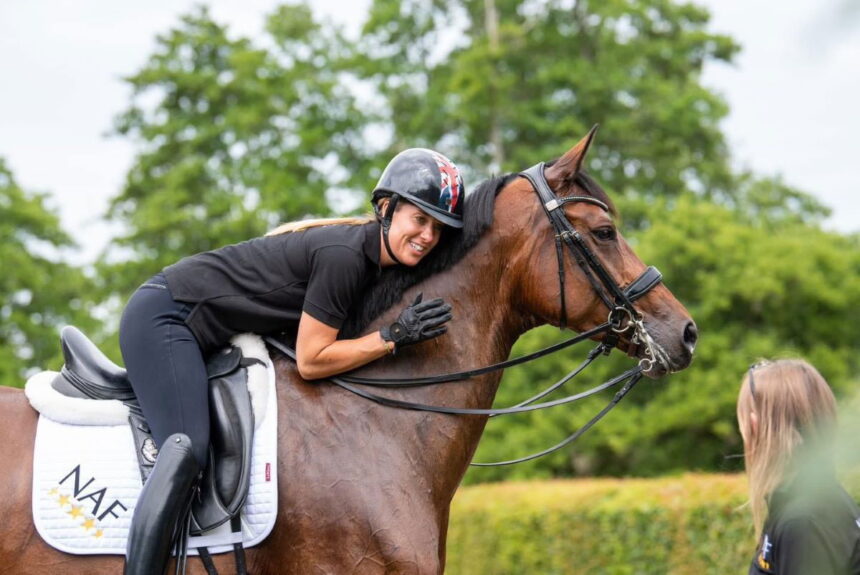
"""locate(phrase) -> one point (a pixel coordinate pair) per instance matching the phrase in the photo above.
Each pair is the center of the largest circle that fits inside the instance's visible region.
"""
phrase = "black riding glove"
(418, 322)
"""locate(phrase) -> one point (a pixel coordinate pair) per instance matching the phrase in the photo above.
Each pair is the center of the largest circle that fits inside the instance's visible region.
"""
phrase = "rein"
(522, 407)
(461, 375)
(631, 376)
(623, 317)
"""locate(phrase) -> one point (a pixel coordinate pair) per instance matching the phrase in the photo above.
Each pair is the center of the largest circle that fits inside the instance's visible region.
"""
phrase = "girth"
(88, 373)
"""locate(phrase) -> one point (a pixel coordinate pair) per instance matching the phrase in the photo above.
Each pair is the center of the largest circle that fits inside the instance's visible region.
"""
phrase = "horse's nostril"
(691, 335)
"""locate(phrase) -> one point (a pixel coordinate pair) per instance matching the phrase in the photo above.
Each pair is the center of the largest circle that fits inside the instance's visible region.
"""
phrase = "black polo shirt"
(263, 285)
(812, 528)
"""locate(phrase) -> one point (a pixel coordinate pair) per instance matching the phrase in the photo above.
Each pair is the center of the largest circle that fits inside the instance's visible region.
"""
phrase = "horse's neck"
(485, 326)
(438, 448)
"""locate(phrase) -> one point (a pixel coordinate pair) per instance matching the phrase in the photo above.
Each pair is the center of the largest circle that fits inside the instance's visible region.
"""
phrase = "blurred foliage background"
(234, 135)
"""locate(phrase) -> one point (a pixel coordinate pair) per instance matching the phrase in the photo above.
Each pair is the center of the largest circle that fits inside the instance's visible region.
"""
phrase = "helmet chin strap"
(386, 225)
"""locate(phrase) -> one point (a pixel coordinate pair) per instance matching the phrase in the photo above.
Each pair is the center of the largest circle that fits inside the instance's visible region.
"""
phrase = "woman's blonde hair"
(792, 405)
(302, 225)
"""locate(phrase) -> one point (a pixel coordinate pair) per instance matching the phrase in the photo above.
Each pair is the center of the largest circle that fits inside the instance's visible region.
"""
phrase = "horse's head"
(599, 270)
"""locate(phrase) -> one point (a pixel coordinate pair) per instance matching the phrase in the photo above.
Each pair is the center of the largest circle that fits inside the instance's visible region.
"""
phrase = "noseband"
(623, 318)
(622, 315)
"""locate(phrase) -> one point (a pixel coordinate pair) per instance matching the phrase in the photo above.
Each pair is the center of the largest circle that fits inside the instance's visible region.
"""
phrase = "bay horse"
(365, 488)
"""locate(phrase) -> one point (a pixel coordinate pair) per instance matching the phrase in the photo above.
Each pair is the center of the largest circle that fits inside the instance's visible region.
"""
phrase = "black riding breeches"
(165, 366)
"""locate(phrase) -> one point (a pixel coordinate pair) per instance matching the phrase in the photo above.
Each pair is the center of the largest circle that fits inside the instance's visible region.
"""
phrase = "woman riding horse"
(367, 489)
(303, 277)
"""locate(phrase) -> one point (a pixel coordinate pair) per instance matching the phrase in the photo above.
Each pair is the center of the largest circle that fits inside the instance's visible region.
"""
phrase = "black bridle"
(623, 318)
(622, 314)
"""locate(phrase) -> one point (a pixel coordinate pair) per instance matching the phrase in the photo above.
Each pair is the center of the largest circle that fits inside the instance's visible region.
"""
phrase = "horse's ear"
(566, 167)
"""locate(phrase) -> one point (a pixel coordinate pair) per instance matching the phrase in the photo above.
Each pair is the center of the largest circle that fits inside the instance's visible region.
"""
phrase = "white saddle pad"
(86, 480)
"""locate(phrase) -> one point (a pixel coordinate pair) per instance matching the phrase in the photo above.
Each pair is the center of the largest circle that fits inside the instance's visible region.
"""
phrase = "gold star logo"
(89, 523)
(63, 500)
(75, 511)
(54, 491)
(98, 534)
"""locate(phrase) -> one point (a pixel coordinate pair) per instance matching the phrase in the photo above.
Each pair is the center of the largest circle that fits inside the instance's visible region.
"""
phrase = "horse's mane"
(380, 295)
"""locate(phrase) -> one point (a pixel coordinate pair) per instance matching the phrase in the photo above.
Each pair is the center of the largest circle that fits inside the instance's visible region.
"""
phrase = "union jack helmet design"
(427, 179)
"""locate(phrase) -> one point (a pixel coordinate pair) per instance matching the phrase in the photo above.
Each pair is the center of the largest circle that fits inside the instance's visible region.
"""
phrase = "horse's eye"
(604, 234)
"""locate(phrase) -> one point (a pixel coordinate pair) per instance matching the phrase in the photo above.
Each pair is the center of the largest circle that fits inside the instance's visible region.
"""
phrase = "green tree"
(501, 84)
(240, 137)
(235, 136)
(38, 293)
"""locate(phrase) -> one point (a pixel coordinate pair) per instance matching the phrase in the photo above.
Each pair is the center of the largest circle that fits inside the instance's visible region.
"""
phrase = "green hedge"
(679, 525)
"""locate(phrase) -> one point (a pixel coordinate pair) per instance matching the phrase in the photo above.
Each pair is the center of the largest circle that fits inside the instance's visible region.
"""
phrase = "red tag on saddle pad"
(268, 472)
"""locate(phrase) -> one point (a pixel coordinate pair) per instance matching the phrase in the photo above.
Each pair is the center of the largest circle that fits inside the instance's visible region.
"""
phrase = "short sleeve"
(337, 276)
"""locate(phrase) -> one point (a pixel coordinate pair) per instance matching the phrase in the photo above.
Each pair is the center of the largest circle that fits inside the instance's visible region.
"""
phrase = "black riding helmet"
(426, 179)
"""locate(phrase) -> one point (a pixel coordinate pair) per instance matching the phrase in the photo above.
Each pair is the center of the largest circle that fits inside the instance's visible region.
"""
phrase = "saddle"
(89, 374)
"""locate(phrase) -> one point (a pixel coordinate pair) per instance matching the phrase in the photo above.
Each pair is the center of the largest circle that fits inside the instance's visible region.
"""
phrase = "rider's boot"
(160, 507)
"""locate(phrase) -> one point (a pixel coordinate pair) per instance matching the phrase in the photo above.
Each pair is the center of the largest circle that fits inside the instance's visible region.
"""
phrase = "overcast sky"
(793, 93)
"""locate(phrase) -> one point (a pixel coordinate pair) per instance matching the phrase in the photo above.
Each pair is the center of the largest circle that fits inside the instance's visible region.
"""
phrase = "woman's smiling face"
(413, 234)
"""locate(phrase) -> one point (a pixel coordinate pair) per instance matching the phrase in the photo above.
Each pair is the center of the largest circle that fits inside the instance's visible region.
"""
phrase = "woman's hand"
(418, 322)
(320, 354)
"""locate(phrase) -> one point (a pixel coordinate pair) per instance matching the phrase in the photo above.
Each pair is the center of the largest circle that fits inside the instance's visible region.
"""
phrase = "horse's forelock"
(452, 247)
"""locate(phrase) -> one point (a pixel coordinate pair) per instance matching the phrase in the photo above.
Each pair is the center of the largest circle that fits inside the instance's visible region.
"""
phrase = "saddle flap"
(226, 480)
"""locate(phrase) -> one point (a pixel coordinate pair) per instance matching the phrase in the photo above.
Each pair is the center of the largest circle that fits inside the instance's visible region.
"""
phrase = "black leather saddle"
(88, 373)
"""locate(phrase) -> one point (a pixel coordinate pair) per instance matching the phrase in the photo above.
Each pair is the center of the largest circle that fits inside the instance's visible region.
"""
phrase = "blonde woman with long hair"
(302, 278)
(805, 522)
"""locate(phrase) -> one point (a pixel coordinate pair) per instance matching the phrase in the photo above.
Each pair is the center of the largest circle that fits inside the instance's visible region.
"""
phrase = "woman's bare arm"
(320, 354)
